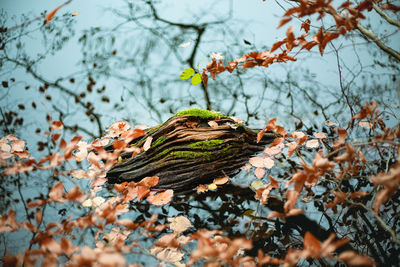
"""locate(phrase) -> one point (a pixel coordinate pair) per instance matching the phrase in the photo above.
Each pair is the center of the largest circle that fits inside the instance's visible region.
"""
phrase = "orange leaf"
(221, 180)
(56, 125)
(292, 148)
(284, 21)
(351, 258)
(312, 244)
(56, 193)
(305, 25)
(260, 135)
(161, 198)
(259, 172)
(52, 13)
(147, 144)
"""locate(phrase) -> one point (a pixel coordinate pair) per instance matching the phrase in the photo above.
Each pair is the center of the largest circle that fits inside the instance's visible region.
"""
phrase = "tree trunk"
(191, 148)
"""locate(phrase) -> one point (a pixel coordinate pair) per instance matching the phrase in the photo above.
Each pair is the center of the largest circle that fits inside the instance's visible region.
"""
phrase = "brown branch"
(385, 16)
(369, 35)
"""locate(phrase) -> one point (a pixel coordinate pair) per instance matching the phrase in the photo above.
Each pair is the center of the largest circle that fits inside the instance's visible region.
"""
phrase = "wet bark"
(186, 151)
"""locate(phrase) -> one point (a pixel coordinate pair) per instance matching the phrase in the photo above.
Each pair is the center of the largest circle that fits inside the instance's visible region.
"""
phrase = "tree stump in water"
(191, 148)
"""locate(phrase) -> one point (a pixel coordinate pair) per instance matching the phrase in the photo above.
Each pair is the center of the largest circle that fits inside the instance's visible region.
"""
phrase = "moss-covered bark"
(187, 151)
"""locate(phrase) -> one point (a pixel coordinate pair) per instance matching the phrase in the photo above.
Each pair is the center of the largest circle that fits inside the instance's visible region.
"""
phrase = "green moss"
(201, 113)
(205, 156)
(166, 151)
(206, 144)
(159, 141)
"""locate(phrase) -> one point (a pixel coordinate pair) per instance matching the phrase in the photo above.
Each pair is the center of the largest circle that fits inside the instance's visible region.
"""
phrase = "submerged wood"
(186, 151)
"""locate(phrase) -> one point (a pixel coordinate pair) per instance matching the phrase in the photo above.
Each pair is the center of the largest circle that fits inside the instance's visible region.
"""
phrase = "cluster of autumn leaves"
(344, 159)
(112, 239)
(346, 17)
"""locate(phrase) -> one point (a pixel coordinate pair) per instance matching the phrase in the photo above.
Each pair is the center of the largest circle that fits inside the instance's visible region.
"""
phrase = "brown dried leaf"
(221, 180)
(259, 173)
(56, 125)
(161, 198)
(351, 258)
(312, 143)
(179, 224)
(56, 193)
(147, 144)
(257, 162)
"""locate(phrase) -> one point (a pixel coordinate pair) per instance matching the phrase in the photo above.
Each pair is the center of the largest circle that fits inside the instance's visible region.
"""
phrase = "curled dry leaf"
(17, 146)
(117, 128)
(292, 148)
(57, 125)
(365, 124)
(22, 155)
(213, 124)
(8, 223)
(300, 137)
(147, 144)
(221, 180)
(202, 188)
(212, 187)
(56, 193)
(179, 224)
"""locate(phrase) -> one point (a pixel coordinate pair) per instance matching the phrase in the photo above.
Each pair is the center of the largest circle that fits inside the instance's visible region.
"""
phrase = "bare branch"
(385, 16)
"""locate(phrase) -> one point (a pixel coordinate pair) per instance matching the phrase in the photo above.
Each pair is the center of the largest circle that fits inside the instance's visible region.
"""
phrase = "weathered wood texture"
(186, 151)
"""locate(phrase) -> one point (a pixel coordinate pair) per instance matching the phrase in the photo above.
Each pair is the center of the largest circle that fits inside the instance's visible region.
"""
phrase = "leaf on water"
(259, 173)
(312, 143)
(56, 125)
(351, 258)
(365, 124)
(196, 79)
(56, 193)
(179, 224)
(161, 198)
(186, 74)
(76, 13)
(268, 163)
(331, 123)
(256, 162)
(257, 184)
(17, 146)
(319, 135)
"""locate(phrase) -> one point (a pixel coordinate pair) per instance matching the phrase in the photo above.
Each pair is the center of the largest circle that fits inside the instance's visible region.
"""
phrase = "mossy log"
(191, 148)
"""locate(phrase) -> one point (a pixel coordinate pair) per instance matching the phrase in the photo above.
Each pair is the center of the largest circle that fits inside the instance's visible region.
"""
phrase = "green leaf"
(196, 79)
(186, 74)
(257, 184)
